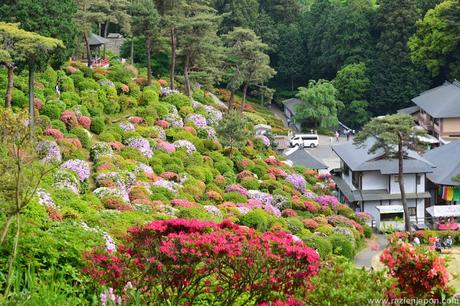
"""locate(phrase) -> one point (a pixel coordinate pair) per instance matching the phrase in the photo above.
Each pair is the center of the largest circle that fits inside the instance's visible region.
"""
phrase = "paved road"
(324, 151)
(364, 258)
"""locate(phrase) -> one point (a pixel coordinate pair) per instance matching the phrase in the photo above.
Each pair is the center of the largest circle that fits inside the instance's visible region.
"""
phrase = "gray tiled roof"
(358, 159)
(446, 158)
(95, 40)
(303, 158)
(442, 101)
(291, 103)
(409, 110)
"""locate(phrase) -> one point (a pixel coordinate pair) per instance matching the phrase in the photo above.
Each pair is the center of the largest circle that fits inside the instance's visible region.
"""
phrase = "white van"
(305, 140)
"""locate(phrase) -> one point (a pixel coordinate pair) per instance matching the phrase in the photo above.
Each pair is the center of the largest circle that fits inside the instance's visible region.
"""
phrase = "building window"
(396, 179)
(412, 211)
(418, 178)
(346, 170)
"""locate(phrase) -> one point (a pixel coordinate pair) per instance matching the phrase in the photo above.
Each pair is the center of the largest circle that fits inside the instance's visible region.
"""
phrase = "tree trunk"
(188, 89)
(173, 57)
(407, 226)
(88, 50)
(148, 50)
(9, 88)
(230, 100)
(31, 100)
(132, 50)
(245, 90)
(106, 29)
(292, 83)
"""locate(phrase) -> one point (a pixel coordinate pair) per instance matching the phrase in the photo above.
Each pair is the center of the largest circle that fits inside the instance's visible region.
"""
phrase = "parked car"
(305, 140)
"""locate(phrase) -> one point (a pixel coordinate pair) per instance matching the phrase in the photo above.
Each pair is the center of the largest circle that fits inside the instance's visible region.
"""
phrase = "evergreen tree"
(51, 18)
(199, 45)
(435, 44)
(145, 20)
(237, 13)
(395, 79)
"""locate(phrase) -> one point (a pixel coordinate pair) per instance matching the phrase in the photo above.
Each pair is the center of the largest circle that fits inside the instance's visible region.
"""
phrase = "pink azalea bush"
(85, 122)
(191, 255)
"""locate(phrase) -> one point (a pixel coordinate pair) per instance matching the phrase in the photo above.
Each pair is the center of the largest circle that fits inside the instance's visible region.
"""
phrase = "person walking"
(348, 135)
(337, 136)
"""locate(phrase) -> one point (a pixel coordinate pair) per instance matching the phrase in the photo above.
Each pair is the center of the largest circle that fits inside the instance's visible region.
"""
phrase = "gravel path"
(364, 258)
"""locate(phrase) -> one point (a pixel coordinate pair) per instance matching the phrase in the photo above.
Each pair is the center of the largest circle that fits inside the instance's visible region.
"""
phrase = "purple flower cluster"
(171, 186)
(189, 147)
(161, 132)
(175, 120)
(211, 132)
(237, 188)
(142, 145)
(44, 198)
(49, 151)
(127, 126)
(101, 149)
(214, 115)
(164, 91)
(109, 243)
(80, 167)
(213, 210)
(297, 180)
(197, 119)
(263, 197)
(109, 296)
(272, 210)
(327, 200)
(264, 140)
(145, 168)
(64, 179)
(103, 192)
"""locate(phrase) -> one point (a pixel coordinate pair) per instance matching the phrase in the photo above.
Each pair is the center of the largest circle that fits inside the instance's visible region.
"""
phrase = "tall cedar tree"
(395, 79)
(199, 45)
(236, 13)
(145, 20)
(395, 135)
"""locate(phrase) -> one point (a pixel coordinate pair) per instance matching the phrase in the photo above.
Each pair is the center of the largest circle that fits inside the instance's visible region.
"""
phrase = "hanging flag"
(444, 193)
(457, 194)
(450, 193)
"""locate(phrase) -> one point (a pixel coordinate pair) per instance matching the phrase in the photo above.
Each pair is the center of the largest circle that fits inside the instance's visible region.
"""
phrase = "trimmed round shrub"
(97, 125)
(197, 212)
(256, 218)
(149, 96)
(178, 100)
(321, 244)
(294, 225)
(58, 124)
(341, 245)
(161, 109)
(235, 197)
(133, 153)
(52, 110)
(19, 99)
(83, 136)
(367, 231)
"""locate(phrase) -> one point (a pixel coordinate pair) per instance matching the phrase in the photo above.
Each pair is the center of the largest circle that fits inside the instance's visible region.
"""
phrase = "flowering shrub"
(214, 115)
(171, 186)
(297, 180)
(310, 224)
(197, 119)
(264, 140)
(191, 255)
(49, 151)
(55, 133)
(420, 272)
(142, 145)
(237, 188)
(127, 126)
(182, 203)
(165, 146)
(80, 167)
(85, 122)
(101, 149)
(44, 198)
(162, 123)
(63, 179)
(187, 145)
(327, 200)
(190, 129)
(69, 118)
(105, 192)
(174, 120)
(136, 119)
(311, 207)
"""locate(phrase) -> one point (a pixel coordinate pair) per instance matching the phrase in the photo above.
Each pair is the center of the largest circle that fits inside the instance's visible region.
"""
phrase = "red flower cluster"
(184, 260)
(273, 161)
(69, 118)
(136, 120)
(55, 133)
(38, 104)
(277, 172)
(420, 272)
(85, 122)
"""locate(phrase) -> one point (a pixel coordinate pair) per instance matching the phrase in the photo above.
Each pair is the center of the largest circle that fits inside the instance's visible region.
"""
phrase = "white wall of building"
(374, 180)
(371, 208)
(409, 183)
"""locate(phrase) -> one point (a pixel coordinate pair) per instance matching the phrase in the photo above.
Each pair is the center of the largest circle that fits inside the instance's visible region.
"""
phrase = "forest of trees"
(378, 54)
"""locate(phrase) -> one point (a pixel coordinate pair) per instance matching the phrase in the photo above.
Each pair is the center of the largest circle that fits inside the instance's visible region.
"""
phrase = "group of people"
(438, 243)
(446, 244)
(347, 133)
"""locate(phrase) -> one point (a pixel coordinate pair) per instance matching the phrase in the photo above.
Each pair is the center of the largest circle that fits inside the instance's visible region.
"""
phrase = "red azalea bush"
(38, 104)
(73, 142)
(183, 203)
(244, 174)
(136, 120)
(69, 118)
(162, 123)
(180, 262)
(116, 145)
(419, 271)
(55, 133)
(311, 207)
(85, 122)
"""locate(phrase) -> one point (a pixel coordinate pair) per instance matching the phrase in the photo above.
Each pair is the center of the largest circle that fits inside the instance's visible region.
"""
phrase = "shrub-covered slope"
(127, 154)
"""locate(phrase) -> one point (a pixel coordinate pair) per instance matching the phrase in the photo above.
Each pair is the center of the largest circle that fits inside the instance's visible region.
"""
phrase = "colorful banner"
(457, 194)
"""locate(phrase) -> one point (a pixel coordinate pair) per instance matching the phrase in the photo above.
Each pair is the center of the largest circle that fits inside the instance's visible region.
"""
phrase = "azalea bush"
(186, 261)
(419, 271)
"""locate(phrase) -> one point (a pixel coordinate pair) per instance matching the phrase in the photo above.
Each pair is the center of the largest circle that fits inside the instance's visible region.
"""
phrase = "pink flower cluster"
(69, 118)
(162, 123)
(85, 122)
(55, 133)
(136, 120)
(327, 200)
(237, 188)
(165, 146)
